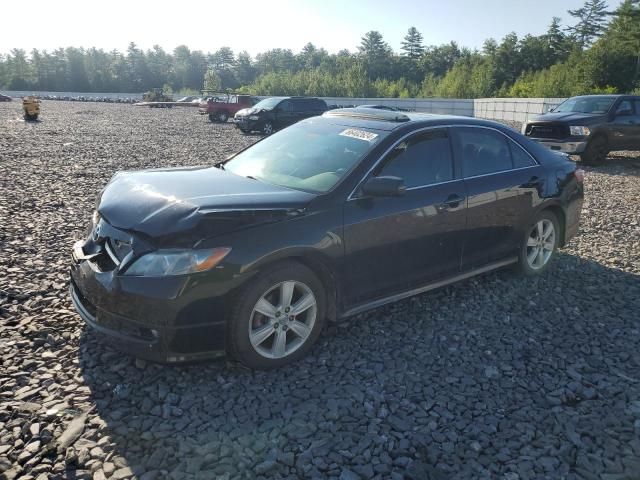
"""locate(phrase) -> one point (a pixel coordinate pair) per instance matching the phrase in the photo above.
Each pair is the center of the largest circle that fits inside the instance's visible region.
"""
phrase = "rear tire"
(213, 118)
(277, 317)
(540, 244)
(223, 117)
(596, 151)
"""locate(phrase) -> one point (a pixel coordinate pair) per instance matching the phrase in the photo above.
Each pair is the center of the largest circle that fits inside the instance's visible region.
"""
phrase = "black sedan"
(325, 219)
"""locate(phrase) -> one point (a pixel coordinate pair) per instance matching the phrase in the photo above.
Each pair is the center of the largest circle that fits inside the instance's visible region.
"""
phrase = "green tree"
(412, 44)
(508, 61)
(245, 72)
(592, 18)
(20, 73)
(624, 33)
(375, 53)
(222, 59)
(438, 60)
(559, 43)
(212, 81)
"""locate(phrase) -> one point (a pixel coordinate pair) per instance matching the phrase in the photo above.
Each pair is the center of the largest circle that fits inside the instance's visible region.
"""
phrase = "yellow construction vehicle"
(31, 107)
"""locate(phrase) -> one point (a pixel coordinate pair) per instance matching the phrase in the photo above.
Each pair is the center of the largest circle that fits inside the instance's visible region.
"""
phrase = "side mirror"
(552, 109)
(384, 187)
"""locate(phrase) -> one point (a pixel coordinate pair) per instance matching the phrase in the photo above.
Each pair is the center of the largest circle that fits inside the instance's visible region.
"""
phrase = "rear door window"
(483, 151)
(302, 105)
(521, 158)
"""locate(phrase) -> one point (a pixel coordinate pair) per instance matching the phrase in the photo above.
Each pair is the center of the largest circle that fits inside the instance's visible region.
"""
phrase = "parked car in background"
(223, 106)
(190, 101)
(330, 217)
(381, 107)
(590, 126)
(5, 98)
(274, 113)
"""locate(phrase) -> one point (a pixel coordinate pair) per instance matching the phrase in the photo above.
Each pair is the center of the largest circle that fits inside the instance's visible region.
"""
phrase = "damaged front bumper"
(163, 319)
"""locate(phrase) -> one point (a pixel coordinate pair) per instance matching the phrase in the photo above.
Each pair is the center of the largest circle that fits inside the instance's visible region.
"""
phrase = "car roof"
(292, 98)
(392, 120)
(612, 95)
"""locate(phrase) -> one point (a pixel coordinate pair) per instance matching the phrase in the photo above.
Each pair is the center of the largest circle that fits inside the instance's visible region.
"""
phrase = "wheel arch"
(560, 214)
(318, 264)
(599, 133)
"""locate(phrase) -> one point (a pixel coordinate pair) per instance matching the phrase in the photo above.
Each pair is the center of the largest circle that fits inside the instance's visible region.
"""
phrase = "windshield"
(586, 105)
(268, 103)
(312, 155)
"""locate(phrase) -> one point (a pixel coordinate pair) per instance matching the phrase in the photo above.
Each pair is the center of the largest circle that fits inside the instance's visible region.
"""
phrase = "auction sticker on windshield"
(359, 134)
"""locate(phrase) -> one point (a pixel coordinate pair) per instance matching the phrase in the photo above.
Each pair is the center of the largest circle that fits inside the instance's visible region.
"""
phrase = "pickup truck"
(219, 108)
(590, 126)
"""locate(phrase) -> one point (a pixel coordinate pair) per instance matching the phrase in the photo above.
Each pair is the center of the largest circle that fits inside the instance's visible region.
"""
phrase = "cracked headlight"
(176, 262)
(579, 131)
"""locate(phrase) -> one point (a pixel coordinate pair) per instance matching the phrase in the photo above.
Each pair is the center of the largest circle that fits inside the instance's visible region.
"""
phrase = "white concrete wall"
(444, 106)
(513, 109)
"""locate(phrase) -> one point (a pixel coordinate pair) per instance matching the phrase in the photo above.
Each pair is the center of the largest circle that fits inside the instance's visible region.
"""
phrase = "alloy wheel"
(268, 128)
(282, 319)
(541, 243)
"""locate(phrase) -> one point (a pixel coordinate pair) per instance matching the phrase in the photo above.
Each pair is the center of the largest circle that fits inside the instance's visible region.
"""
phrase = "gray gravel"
(497, 377)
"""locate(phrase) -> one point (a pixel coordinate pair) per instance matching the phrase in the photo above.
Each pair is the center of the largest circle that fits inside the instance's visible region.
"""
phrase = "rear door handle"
(452, 201)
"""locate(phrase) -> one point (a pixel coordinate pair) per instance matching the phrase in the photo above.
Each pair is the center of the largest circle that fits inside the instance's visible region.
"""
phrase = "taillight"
(579, 173)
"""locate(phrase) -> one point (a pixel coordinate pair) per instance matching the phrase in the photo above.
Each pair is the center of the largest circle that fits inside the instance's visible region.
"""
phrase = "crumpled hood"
(569, 117)
(166, 201)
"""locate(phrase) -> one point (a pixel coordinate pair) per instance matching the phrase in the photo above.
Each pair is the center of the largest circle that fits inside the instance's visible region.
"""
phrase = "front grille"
(547, 130)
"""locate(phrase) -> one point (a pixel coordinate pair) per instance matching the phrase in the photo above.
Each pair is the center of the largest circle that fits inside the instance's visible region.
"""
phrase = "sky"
(209, 25)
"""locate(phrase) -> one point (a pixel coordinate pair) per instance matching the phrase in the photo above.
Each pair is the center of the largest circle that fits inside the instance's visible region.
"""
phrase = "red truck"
(221, 107)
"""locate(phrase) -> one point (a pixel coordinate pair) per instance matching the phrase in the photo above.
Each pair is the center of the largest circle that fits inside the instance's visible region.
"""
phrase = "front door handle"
(453, 201)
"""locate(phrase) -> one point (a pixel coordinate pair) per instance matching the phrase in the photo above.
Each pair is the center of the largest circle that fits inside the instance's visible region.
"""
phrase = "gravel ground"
(497, 377)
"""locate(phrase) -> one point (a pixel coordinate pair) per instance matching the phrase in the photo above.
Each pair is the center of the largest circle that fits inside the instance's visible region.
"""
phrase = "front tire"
(277, 318)
(213, 117)
(267, 128)
(223, 117)
(596, 151)
(540, 244)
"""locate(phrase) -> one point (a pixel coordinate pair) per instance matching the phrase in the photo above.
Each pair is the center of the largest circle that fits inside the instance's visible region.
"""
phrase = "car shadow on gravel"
(498, 376)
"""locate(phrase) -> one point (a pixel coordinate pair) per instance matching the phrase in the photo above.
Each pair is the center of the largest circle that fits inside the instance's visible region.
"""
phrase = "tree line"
(599, 53)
